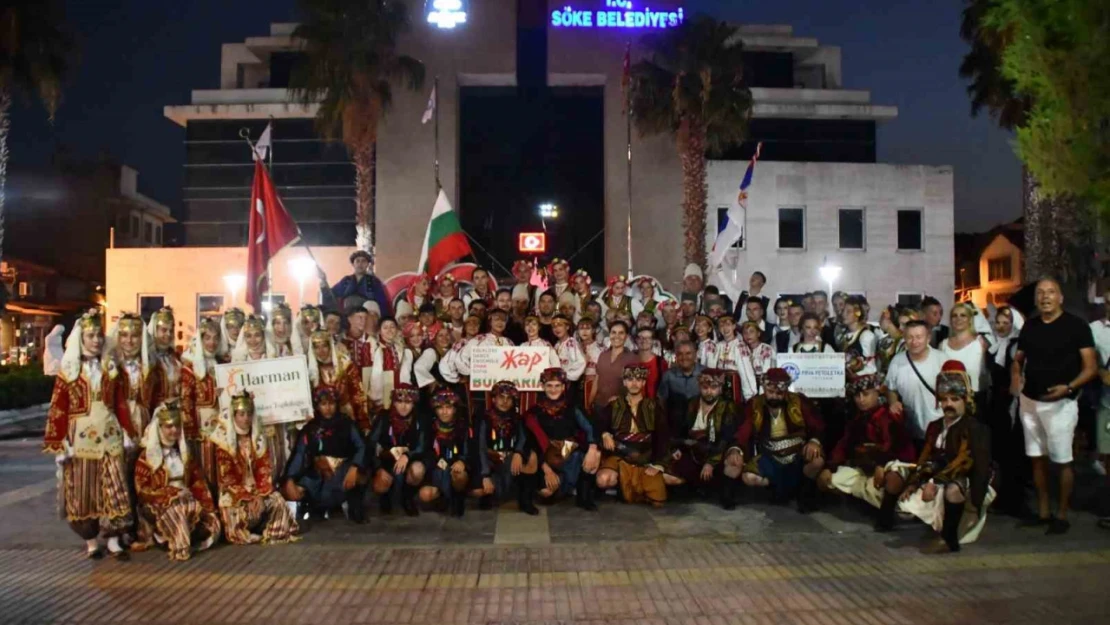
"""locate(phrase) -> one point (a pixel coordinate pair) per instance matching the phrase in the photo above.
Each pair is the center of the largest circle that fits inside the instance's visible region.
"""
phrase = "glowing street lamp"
(234, 283)
(302, 269)
(549, 211)
(829, 273)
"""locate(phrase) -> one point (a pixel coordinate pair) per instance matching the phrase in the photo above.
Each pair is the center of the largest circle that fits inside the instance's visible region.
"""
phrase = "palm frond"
(36, 50)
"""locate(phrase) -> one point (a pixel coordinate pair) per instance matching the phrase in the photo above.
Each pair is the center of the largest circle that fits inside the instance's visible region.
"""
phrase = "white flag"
(728, 236)
(430, 109)
(262, 148)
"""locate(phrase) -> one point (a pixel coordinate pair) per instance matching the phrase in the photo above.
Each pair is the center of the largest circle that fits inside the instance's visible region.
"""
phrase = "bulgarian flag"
(444, 242)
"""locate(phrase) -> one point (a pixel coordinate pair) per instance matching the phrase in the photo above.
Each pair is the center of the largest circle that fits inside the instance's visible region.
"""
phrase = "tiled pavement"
(688, 563)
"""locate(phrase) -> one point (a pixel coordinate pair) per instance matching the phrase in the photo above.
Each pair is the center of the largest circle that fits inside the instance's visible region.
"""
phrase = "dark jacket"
(966, 453)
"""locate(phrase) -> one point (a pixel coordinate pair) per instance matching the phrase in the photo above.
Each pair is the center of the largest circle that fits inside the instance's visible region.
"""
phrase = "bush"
(21, 387)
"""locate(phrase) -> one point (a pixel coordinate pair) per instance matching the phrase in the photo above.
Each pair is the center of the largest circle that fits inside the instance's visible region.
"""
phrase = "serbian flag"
(731, 228)
(271, 230)
(444, 242)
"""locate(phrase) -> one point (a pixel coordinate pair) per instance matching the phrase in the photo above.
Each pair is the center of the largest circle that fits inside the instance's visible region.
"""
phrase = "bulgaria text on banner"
(814, 375)
(522, 366)
(280, 387)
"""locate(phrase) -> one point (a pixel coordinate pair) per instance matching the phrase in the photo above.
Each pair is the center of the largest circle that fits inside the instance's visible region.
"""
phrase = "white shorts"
(1049, 428)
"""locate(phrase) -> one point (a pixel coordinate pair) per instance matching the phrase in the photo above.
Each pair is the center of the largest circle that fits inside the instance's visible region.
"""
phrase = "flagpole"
(435, 105)
(628, 134)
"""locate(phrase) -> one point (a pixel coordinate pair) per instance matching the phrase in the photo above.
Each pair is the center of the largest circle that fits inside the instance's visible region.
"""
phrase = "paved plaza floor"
(686, 563)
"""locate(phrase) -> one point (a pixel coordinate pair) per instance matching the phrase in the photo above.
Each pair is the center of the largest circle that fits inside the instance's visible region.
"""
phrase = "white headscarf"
(225, 437)
(52, 354)
(294, 334)
(314, 366)
(70, 368)
(152, 441)
(1001, 344)
(240, 352)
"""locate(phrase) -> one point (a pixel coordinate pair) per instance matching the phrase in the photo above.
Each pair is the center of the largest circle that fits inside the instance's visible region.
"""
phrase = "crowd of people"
(645, 397)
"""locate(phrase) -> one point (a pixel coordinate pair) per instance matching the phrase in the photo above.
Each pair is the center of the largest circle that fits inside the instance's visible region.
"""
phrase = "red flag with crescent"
(271, 230)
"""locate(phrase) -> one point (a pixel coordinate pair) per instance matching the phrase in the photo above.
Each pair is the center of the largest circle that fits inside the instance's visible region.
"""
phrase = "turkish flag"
(271, 230)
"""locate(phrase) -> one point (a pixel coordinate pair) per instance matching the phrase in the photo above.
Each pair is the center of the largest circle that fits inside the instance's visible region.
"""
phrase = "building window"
(121, 225)
(134, 231)
(148, 232)
(722, 221)
(150, 304)
(909, 229)
(209, 306)
(998, 270)
(792, 228)
(24, 289)
(269, 300)
(158, 235)
(851, 229)
(910, 300)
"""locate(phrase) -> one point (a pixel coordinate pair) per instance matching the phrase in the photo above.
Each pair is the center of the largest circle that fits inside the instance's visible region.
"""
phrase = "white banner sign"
(522, 366)
(282, 393)
(814, 375)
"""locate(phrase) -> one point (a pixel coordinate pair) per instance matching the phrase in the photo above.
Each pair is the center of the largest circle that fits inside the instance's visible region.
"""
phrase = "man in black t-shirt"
(1056, 357)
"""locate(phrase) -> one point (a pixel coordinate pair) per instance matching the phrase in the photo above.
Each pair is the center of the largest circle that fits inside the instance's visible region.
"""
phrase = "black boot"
(729, 487)
(385, 503)
(485, 502)
(526, 492)
(584, 492)
(807, 496)
(408, 499)
(885, 522)
(950, 531)
(458, 504)
(356, 512)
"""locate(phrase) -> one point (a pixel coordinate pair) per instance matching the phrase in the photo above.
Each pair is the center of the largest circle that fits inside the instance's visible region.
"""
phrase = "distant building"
(992, 265)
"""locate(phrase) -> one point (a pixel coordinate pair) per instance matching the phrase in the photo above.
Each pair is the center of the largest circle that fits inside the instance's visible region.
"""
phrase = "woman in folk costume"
(252, 510)
(175, 505)
(231, 325)
(309, 320)
(161, 364)
(558, 273)
(88, 442)
(419, 292)
(392, 365)
(125, 347)
(705, 337)
(399, 435)
(649, 297)
(733, 358)
(328, 367)
(199, 397)
(568, 350)
(253, 342)
(616, 297)
(760, 354)
(891, 341)
(522, 272)
(532, 338)
(567, 305)
(858, 341)
(426, 368)
(580, 284)
(446, 290)
(591, 351)
(282, 333)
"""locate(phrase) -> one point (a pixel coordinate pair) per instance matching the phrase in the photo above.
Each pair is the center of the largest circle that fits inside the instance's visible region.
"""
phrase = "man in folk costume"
(329, 462)
(399, 439)
(616, 297)
(561, 428)
(580, 285)
(532, 338)
(950, 487)
(252, 510)
(635, 438)
(327, 367)
(88, 442)
(175, 505)
(591, 352)
(669, 322)
(522, 271)
(131, 405)
(447, 453)
(507, 453)
(704, 452)
(231, 324)
(361, 286)
(858, 342)
(870, 460)
(161, 364)
(781, 436)
(199, 397)
(559, 271)
(481, 288)
(253, 343)
(567, 305)
(282, 332)
(360, 345)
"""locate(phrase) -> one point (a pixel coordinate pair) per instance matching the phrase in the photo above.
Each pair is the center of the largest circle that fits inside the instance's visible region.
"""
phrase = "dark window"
(807, 140)
(792, 228)
(722, 221)
(769, 69)
(148, 232)
(851, 228)
(998, 269)
(909, 229)
(134, 232)
(281, 67)
(150, 304)
(157, 235)
(912, 300)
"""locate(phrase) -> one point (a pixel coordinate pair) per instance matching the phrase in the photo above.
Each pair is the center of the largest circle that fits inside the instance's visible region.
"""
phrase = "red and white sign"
(532, 242)
(490, 364)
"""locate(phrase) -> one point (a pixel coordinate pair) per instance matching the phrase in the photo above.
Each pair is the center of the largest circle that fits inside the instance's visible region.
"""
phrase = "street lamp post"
(829, 273)
(234, 282)
(302, 268)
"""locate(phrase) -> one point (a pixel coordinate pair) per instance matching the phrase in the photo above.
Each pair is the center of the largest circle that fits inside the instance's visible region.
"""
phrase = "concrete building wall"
(880, 271)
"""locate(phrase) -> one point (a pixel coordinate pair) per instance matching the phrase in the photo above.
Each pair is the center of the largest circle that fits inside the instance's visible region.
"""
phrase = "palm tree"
(1058, 232)
(34, 58)
(692, 86)
(350, 66)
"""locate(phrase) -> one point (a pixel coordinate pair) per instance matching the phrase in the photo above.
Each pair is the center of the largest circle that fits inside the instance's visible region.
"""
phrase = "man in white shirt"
(910, 378)
(1100, 331)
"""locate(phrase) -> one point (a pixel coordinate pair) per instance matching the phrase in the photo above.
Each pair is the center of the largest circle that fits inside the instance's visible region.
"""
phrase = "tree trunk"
(1059, 236)
(365, 209)
(691, 150)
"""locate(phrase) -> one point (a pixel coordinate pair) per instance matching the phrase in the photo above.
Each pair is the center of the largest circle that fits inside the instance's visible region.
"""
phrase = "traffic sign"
(532, 242)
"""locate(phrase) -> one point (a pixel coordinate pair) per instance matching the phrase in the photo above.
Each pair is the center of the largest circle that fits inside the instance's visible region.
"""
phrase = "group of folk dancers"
(146, 456)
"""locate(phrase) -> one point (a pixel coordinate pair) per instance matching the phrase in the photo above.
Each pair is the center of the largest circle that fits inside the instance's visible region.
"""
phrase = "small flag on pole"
(444, 241)
(731, 229)
(430, 110)
(265, 143)
(626, 78)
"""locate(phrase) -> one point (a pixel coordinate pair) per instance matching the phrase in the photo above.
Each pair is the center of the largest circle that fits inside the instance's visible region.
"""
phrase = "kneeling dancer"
(704, 452)
(175, 505)
(398, 437)
(447, 455)
(248, 501)
(561, 429)
(950, 487)
(871, 459)
(634, 437)
(507, 452)
(328, 462)
(782, 434)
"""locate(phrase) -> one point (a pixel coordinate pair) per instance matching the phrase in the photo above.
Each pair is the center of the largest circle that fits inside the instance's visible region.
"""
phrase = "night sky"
(138, 56)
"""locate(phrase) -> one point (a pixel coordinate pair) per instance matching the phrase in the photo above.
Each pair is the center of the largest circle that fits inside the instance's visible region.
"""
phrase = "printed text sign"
(521, 365)
(280, 387)
(814, 375)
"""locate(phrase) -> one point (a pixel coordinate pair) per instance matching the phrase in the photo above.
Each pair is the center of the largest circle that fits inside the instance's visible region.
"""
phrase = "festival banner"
(280, 387)
(814, 375)
(522, 366)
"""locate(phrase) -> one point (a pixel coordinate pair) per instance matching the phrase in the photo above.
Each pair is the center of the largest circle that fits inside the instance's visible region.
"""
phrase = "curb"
(10, 417)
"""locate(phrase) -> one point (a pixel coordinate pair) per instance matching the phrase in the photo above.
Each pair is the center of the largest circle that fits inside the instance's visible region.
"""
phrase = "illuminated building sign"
(532, 242)
(616, 14)
(447, 13)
